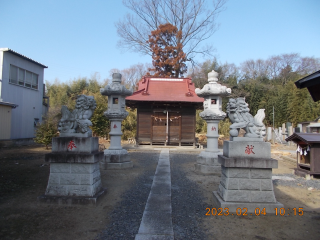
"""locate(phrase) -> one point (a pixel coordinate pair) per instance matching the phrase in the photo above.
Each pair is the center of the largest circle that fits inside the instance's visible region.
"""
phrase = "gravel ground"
(297, 182)
(126, 217)
(187, 201)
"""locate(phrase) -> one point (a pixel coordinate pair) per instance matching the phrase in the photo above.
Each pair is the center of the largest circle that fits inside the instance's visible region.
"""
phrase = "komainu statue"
(77, 121)
(238, 113)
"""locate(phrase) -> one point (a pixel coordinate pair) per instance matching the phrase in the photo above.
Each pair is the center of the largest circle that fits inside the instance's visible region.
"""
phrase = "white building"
(22, 88)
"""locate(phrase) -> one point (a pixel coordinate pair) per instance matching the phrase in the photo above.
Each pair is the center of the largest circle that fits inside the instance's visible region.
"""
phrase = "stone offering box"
(74, 171)
(246, 177)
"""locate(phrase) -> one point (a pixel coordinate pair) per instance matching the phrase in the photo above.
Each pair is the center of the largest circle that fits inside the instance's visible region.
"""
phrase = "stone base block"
(253, 208)
(68, 200)
(246, 139)
(86, 134)
(208, 158)
(246, 195)
(122, 165)
(116, 159)
(116, 156)
(207, 163)
(242, 162)
(246, 149)
(207, 169)
(70, 157)
(74, 180)
(75, 144)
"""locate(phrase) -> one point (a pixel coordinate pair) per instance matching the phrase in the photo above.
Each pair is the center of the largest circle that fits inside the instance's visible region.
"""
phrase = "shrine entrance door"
(166, 127)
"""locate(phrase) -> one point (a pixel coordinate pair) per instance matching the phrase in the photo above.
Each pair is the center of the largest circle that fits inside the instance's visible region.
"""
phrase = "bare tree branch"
(194, 18)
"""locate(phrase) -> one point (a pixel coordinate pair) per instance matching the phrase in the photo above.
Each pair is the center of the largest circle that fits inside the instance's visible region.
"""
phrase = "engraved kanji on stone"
(249, 150)
(213, 129)
(71, 145)
(114, 126)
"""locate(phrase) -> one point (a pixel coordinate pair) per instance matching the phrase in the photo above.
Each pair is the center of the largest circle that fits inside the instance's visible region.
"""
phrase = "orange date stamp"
(257, 212)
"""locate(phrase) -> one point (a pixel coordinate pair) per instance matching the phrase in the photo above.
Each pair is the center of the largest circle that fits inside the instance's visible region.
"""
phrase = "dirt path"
(288, 226)
(23, 177)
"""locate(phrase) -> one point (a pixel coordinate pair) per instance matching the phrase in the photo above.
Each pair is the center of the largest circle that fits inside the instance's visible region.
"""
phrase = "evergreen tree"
(48, 128)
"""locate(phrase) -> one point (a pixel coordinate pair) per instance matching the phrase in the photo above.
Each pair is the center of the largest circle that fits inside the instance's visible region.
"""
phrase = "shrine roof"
(312, 82)
(165, 90)
(304, 137)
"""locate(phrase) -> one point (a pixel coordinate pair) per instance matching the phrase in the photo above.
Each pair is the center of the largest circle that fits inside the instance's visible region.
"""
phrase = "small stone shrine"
(116, 157)
(207, 161)
(246, 164)
(74, 162)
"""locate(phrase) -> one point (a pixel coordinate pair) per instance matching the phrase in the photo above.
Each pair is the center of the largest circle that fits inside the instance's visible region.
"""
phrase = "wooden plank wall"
(181, 128)
(174, 127)
(144, 125)
(188, 121)
(315, 160)
(159, 127)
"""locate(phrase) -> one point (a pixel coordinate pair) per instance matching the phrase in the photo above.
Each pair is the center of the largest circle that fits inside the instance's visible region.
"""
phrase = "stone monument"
(74, 160)
(207, 161)
(116, 157)
(246, 164)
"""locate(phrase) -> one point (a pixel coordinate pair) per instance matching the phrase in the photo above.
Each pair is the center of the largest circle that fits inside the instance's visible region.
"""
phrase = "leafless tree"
(254, 68)
(132, 75)
(308, 65)
(194, 18)
(279, 67)
(228, 70)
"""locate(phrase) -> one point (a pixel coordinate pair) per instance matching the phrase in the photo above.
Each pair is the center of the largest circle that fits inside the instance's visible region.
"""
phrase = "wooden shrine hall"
(166, 111)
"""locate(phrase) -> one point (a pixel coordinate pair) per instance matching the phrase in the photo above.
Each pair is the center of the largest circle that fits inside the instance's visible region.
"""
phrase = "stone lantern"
(207, 161)
(116, 157)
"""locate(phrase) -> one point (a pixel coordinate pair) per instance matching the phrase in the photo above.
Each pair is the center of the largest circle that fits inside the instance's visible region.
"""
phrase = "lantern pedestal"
(115, 157)
(212, 92)
(207, 161)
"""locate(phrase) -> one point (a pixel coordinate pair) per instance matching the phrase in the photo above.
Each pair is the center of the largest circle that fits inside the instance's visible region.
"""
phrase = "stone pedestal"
(116, 159)
(246, 178)
(207, 161)
(74, 171)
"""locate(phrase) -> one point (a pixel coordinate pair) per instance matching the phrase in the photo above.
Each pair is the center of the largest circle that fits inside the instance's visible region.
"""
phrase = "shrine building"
(166, 111)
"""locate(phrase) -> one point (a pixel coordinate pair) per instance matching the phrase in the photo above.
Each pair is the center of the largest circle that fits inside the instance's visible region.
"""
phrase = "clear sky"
(76, 38)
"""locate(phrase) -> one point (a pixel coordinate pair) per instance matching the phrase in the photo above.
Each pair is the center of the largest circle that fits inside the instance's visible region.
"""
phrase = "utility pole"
(273, 125)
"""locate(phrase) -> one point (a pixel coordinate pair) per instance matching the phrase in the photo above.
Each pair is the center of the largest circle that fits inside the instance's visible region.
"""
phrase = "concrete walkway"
(156, 221)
